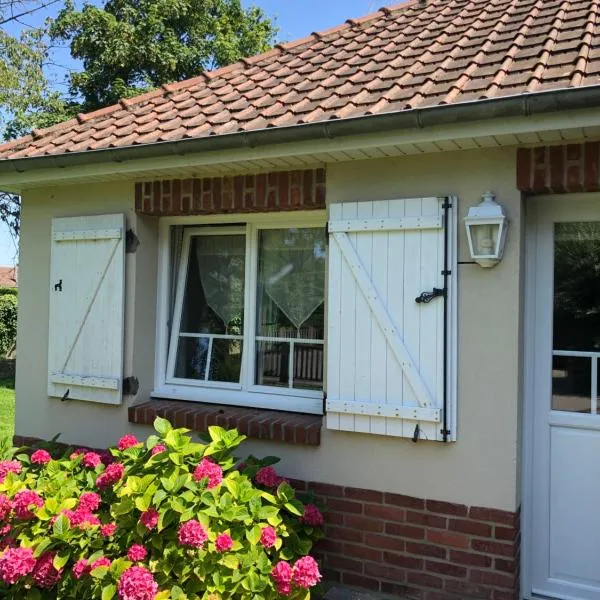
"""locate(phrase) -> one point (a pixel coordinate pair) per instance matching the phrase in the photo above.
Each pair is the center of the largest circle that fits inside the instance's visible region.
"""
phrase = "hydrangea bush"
(168, 518)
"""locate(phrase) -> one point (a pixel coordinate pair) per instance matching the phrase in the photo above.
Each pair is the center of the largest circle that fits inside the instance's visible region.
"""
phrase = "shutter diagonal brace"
(385, 322)
(89, 308)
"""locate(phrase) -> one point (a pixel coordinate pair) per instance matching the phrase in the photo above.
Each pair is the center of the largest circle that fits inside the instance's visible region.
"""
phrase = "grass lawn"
(7, 408)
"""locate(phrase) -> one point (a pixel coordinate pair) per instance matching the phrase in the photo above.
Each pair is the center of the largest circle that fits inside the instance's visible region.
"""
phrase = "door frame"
(531, 281)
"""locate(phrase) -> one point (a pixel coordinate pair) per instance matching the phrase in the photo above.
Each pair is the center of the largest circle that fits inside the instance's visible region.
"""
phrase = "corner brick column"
(559, 169)
(263, 192)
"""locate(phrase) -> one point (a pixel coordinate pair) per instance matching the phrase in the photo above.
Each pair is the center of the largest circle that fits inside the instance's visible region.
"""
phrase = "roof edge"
(523, 105)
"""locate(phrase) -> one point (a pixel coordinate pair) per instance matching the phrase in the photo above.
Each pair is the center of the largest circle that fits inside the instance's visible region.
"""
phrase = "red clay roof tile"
(415, 54)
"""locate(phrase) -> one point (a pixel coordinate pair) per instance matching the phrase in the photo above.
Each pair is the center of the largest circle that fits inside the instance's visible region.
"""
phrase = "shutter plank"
(396, 380)
(363, 242)
(334, 309)
(348, 327)
(379, 350)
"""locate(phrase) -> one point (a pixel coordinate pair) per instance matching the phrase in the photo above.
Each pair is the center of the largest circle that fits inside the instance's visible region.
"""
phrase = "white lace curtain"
(221, 264)
(292, 270)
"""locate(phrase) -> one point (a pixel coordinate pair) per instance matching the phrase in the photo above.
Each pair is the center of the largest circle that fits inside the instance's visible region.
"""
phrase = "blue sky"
(295, 18)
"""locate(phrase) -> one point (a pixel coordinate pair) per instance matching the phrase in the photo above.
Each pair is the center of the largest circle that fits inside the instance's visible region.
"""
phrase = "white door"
(563, 338)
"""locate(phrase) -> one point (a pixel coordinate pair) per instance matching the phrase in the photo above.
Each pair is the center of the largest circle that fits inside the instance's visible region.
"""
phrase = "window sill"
(277, 426)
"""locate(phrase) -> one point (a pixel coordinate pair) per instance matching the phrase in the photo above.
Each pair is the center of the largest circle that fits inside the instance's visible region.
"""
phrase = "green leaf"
(41, 547)
(253, 535)
(162, 426)
(61, 559)
(230, 561)
(99, 572)
(108, 591)
(34, 594)
(142, 503)
(295, 507)
(61, 525)
(177, 593)
(217, 434)
(285, 492)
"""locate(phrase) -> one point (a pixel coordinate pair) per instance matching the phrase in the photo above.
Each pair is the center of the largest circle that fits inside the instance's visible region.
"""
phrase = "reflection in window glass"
(575, 379)
(290, 308)
(210, 334)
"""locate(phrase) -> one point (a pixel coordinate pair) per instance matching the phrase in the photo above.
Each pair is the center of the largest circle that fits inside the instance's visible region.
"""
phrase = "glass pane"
(192, 354)
(576, 317)
(214, 290)
(308, 366)
(290, 306)
(226, 360)
(273, 364)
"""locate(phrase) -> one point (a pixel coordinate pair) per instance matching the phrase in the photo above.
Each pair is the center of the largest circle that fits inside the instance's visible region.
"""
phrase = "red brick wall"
(415, 548)
(559, 169)
(264, 192)
(411, 547)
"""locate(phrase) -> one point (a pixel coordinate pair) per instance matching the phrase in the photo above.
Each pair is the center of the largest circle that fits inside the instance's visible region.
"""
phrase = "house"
(8, 277)
(279, 246)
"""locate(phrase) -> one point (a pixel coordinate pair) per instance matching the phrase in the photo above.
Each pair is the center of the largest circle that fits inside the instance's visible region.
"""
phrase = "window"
(245, 319)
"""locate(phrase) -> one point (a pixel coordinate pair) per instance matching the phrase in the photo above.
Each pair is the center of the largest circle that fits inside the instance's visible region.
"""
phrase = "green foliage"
(168, 482)
(130, 46)
(8, 322)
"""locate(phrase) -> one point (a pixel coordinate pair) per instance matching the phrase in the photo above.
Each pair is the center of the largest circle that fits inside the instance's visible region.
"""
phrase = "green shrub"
(8, 322)
(166, 519)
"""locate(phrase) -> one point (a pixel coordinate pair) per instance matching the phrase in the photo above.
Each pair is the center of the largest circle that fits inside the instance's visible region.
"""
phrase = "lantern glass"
(486, 230)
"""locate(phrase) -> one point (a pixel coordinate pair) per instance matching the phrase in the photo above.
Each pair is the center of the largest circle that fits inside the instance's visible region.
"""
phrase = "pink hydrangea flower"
(89, 501)
(158, 449)
(137, 553)
(9, 466)
(128, 441)
(41, 457)
(312, 516)
(108, 529)
(5, 507)
(101, 562)
(91, 460)
(80, 568)
(16, 563)
(111, 475)
(149, 518)
(268, 537)
(191, 533)
(268, 477)
(23, 501)
(137, 583)
(223, 543)
(106, 457)
(77, 453)
(82, 519)
(305, 573)
(209, 470)
(282, 575)
(44, 574)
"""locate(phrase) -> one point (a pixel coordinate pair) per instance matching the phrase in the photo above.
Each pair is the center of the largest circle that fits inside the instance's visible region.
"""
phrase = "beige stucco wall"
(479, 469)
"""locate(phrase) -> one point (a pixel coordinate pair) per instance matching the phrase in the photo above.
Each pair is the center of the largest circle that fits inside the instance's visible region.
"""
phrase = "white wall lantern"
(486, 231)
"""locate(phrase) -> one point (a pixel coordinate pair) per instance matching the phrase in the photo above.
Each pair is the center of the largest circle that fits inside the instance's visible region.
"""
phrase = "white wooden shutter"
(385, 351)
(87, 293)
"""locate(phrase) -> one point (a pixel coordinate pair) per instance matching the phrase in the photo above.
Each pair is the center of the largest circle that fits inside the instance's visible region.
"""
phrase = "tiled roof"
(421, 53)
(8, 276)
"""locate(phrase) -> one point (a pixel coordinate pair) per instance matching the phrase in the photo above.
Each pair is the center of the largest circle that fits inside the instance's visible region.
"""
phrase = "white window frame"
(246, 393)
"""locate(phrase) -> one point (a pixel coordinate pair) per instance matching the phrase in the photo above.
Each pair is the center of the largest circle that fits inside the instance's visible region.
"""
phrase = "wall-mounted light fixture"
(486, 226)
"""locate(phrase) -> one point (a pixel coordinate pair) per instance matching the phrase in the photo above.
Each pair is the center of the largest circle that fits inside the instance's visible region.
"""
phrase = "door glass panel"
(576, 354)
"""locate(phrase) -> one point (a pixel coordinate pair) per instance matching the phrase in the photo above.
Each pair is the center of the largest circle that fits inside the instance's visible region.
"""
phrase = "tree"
(26, 99)
(130, 46)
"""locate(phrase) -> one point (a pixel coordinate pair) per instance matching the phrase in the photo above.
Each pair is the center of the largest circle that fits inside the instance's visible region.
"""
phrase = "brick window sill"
(278, 426)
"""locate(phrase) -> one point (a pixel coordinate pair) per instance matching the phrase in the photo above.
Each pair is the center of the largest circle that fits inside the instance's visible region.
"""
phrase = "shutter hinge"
(324, 402)
(131, 242)
(447, 203)
(445, 433)
(131, 385)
